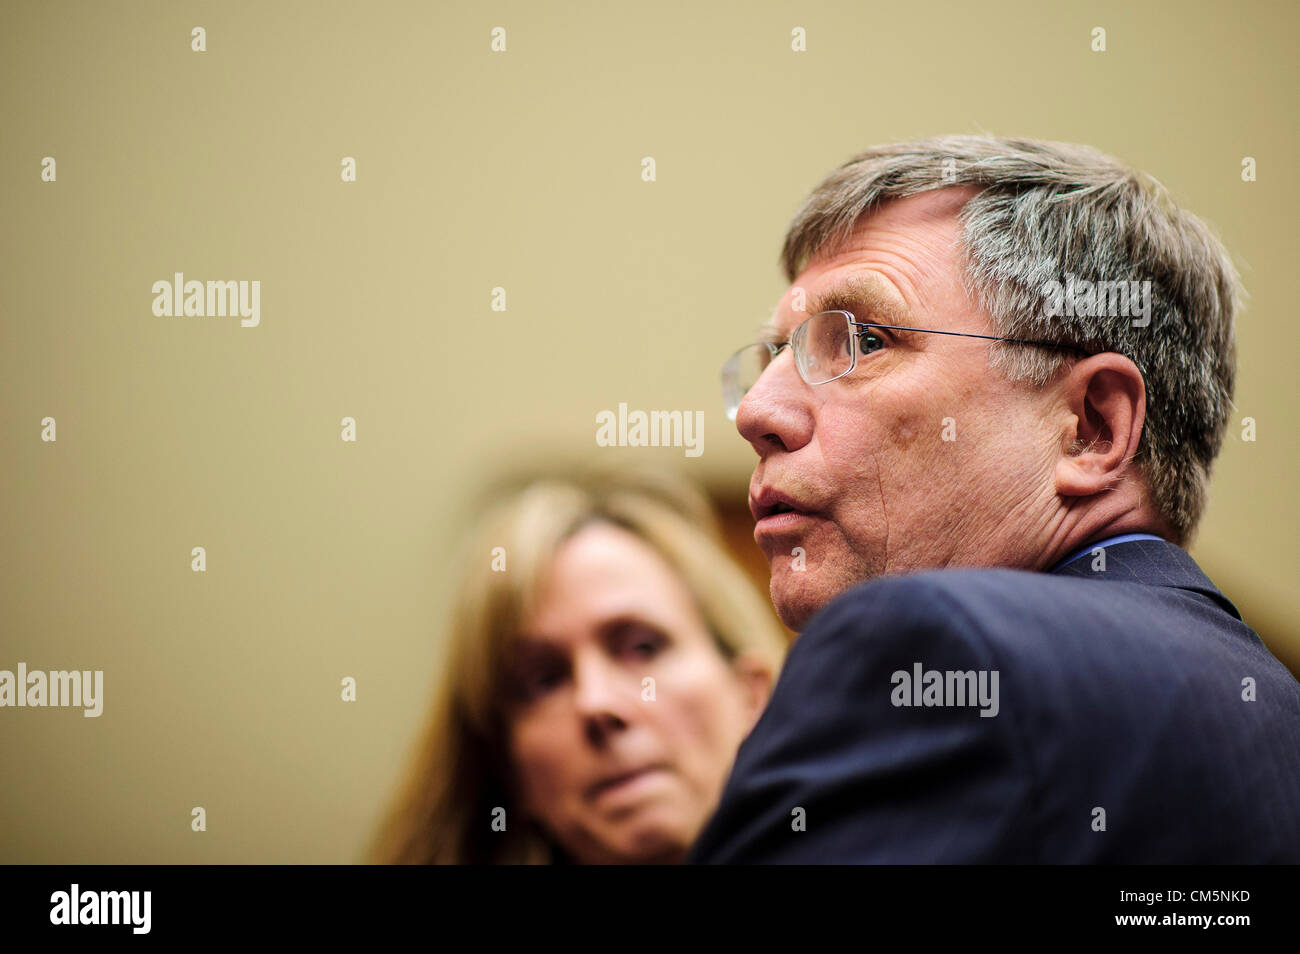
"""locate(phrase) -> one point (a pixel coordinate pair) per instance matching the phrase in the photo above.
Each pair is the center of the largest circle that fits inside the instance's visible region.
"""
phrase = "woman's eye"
(540, 678)
(641, 642)
(548, 679)
(645, 648)
(868, 342)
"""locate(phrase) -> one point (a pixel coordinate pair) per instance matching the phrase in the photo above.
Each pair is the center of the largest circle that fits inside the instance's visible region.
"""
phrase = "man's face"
(922, 456)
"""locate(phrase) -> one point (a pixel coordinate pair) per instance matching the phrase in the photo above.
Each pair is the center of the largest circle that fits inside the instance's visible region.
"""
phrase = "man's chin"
(796, 598)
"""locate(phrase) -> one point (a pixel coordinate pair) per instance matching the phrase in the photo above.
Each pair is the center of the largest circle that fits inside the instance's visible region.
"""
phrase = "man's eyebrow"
(864, 298)
(860, 296)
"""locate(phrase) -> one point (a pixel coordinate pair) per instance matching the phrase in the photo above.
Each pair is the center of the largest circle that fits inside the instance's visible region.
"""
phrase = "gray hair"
(1056, 212)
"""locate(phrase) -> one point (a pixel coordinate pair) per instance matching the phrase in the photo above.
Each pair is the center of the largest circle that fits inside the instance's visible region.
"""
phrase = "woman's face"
(625, 716)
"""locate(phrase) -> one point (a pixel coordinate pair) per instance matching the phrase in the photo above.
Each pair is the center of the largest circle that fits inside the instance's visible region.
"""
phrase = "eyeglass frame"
(775, 346)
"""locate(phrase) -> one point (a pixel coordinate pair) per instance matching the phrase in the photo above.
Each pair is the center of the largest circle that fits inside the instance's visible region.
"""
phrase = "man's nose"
(774, 414)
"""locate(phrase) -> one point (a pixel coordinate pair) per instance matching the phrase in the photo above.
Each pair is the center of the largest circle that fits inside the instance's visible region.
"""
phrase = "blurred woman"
(605, 659)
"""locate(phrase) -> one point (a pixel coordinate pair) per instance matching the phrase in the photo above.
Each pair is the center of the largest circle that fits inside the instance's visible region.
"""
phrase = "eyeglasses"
(826, 347)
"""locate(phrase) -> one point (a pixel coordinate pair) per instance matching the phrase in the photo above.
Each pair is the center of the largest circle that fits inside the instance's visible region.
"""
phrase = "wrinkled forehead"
(899, 261)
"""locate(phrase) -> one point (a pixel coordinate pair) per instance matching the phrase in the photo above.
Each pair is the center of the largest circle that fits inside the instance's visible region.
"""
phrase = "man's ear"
(1106, 400)
(755, 674)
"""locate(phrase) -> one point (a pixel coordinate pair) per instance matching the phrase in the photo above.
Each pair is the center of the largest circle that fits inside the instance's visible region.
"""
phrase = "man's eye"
(868, 342)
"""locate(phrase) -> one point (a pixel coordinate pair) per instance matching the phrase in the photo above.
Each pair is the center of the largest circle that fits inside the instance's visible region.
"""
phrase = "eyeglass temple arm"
(967, 334)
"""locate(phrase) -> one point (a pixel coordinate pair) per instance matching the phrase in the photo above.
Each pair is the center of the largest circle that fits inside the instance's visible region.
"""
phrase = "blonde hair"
(461, 772)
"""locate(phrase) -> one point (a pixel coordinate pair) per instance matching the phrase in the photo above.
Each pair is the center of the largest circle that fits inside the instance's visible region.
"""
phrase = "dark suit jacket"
(1120, 691)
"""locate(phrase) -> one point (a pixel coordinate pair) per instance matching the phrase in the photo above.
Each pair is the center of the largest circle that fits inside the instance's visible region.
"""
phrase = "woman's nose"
(603, 694)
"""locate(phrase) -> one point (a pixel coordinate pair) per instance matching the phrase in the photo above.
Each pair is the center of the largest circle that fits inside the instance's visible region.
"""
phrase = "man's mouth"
(770, 502)
(779, 515)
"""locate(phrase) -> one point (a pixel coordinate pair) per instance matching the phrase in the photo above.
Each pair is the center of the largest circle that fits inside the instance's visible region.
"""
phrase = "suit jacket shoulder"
(1085, 715)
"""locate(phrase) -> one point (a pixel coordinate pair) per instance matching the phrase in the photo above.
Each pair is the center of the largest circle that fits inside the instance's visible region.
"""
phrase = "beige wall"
(328, 559)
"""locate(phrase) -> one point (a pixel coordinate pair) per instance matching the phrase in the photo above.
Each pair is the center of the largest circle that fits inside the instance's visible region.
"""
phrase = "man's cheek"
(915, 432)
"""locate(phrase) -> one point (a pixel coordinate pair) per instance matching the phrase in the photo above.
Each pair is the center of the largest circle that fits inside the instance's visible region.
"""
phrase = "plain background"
(520, 169)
